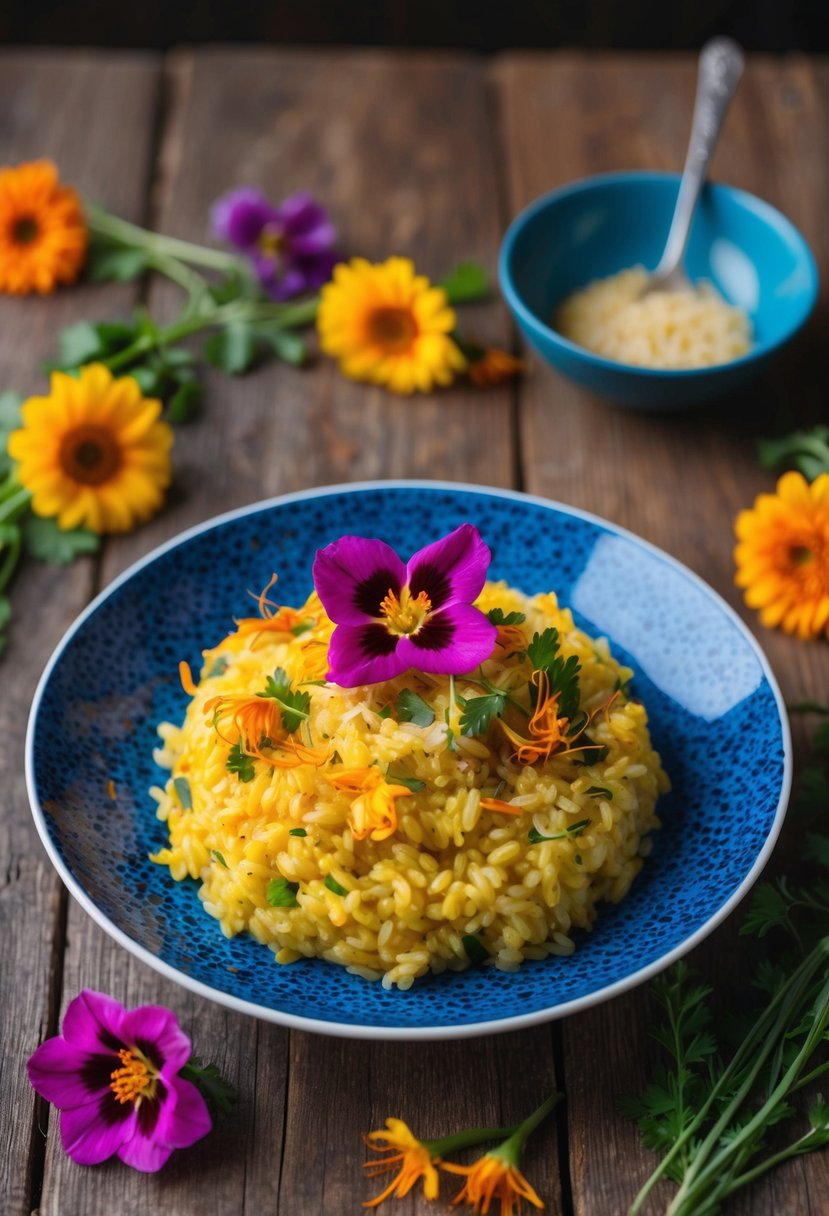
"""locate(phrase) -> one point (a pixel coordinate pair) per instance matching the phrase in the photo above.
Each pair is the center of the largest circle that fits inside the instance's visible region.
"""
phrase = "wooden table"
(428, 155)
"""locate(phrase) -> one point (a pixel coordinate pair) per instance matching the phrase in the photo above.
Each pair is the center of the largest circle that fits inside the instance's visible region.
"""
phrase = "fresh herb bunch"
(709, 1111)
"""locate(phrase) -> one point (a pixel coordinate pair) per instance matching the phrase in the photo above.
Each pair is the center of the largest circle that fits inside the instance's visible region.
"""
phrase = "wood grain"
(677, 480)
(73, 108)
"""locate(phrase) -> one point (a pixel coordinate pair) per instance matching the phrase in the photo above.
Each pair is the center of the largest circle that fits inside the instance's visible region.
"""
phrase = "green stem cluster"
(14, 500)
(513, 1138)
(718, 1161)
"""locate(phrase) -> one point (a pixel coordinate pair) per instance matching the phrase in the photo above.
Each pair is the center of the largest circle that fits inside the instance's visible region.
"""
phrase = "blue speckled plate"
(715, 711)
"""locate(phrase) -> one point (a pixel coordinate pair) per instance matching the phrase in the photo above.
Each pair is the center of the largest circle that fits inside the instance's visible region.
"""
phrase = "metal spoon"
(720, 68)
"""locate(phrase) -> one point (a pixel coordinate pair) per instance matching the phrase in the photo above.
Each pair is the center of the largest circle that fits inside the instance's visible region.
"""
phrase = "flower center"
(271, 241)
(800, 555)
(136, 1078)
(395, 329)
(406, 615)
(25, 230)
(90, 455)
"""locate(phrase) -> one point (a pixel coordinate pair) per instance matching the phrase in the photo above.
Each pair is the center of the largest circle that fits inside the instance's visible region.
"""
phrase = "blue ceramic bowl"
(715, 712)
(596, 227)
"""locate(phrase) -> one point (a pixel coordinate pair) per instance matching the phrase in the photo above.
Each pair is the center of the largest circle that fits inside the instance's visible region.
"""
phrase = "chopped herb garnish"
(600, 791)
(216, 855)
(412, 708)
(240, 763)
(182, 788)
(499, 617)
(282, 894)
(575, 829)
(301, 627)
(297, 832)
(334, 886)
(475, 949)
(293, 705)
(478, 712)
(385, 712)
(219, 667)
(577, 858)
(411, 783)
(593, 753)
(563, 674)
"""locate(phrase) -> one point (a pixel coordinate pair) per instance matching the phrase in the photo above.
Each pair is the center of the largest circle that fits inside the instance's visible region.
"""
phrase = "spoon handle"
(720, 68)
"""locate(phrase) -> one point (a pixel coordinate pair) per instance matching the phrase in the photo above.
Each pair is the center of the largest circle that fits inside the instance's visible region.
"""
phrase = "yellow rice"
(451, 869)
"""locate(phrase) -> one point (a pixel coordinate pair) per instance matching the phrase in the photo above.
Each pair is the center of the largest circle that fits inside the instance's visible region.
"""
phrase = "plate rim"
(366, 1030)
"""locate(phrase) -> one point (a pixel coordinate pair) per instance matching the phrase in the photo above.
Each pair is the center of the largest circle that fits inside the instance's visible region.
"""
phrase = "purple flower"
(391, 617)
(292, 247)
(114, 1076)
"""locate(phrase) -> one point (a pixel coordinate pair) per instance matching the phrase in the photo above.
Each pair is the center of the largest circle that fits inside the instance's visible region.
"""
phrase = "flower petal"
(364, 654)
(67, 1076)
(183, 1117)
(92, 1133)
(155, 1031)
(239, 216)
(451, 569)
(451, 642)
(353, 574)
(93, 1020)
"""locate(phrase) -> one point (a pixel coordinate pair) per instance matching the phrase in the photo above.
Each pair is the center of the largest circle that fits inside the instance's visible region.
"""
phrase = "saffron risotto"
(464, 878)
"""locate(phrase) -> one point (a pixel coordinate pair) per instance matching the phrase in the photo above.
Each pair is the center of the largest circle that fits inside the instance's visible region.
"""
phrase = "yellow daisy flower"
(93, 453)
(415, 1158)
(782, 556)
(388, 325)
(42, 229)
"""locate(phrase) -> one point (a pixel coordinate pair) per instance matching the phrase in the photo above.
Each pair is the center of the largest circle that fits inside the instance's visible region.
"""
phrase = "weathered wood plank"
(679, 481)
(368, 135)
(74, 108)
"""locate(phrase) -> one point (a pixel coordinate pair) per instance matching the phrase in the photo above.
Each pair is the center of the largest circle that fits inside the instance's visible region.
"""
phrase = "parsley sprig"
(709, 1110)
(293, 705)
(562, 674)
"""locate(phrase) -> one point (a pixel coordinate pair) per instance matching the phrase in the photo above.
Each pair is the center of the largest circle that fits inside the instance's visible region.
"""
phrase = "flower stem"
(102, 223)
(467, 1139)
(512, 1148)
(7, 567)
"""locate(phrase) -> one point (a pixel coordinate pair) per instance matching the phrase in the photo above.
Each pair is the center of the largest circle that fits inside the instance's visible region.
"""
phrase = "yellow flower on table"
(782, 555)
(399, 1146)
(42, 229)
(492, 1177)
(94, 452)
(388, 325)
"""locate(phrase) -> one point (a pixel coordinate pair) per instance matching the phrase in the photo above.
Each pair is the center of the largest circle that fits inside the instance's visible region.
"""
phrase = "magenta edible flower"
(114, 1075)
(391, 617)
(292, 246)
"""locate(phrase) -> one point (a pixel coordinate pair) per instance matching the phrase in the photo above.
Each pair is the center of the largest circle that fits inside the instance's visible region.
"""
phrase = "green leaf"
(334, 886)
(293, 705)
(543, 649)
(499, 617)
(593, 753)
(807, 451)
(411, 783)
(466, 283)
(575, 829)
(113, 263)
(185, 403)
(149, 379)
(47, 541)
(217, 856)
(287, 346)
(115, 335)
(297, 832)
(78, 344)
(182, 788)
(282, 894)
(5, 611)
(410, 707)
(219, 1094)
(600, 791)
(240, 763)
(231, 287)
(475, 949)
(233, 349)
(478, 712)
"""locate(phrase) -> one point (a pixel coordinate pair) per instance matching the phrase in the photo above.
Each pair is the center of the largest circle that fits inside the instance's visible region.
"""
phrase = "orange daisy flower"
(373, 813)
(255, 719)
(782, 555)
(492, 1177)
(43, 234)
(414, 1156)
